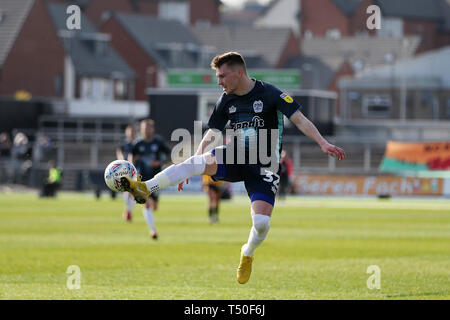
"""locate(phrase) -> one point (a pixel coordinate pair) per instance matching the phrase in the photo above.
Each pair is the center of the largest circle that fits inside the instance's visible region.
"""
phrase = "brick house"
(151, 45)
(188, 12)
(262, 47)
(341, 18)
(47, 60)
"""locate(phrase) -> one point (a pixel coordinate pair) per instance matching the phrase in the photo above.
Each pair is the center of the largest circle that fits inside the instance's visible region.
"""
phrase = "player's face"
(228, 78)
(130, 133)
(147, 129)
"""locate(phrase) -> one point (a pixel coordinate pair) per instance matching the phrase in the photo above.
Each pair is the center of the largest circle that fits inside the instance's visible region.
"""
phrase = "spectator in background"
(5, 154)
(21, 147)
(43, 149)
(5, 145)
(21, 156)
(286, 174)
(53, 181)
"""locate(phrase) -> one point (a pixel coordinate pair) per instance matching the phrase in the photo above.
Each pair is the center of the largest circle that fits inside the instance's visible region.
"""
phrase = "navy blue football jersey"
(127, 147)
(148, 151)
(262, 107)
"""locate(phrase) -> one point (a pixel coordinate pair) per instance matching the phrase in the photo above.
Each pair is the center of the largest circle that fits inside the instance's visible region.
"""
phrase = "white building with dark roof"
(416, 88)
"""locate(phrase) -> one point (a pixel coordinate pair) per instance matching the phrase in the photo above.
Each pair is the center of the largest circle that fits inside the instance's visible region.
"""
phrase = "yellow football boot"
(245, 269)
(137, 188)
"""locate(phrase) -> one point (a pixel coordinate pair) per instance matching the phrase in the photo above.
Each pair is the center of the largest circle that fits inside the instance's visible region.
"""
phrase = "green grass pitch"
(317, 248)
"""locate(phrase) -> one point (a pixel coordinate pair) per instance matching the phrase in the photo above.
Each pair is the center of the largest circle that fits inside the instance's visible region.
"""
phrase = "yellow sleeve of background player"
(205, 183)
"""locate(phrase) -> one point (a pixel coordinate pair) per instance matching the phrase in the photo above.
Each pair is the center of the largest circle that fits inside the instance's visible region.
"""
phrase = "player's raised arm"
(310, 130)
(119, 154)
(212, 139)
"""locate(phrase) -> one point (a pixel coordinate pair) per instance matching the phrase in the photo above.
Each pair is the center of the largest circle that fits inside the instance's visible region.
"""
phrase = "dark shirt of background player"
(149, 153)
(126, 148)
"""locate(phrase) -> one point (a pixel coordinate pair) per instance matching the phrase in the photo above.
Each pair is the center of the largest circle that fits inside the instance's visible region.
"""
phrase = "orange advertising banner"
(367, 185)
(418, 152)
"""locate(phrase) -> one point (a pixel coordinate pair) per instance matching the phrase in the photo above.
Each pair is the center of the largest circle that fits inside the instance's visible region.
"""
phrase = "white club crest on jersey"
(232, 109)
(258, 106)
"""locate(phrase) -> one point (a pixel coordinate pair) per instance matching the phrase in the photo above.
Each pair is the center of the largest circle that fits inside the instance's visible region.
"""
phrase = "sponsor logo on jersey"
(256, 122)
(154, 147)
(232, 109)
(258, 106)
(286, 98)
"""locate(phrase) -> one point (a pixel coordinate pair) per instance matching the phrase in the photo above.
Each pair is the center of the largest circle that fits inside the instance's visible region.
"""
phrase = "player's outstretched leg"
(258, 232)
(168, 177)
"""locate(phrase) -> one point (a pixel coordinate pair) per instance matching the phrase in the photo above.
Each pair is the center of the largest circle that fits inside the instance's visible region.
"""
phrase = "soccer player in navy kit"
(148, 156)
(122, 153)
(255, 109)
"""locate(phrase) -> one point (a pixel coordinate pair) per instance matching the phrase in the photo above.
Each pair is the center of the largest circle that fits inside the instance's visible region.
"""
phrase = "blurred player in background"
(255, 109)
(148, 156)
(214, 190)
(123, 152)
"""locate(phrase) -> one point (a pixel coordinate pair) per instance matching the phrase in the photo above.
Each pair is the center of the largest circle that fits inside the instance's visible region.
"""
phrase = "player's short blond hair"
(230, 58)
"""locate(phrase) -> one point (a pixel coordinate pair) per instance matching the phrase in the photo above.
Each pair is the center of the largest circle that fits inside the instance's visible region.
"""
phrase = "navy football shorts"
(259, 186)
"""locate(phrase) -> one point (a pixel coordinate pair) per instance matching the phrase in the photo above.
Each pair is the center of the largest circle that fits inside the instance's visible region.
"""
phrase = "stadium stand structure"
(85, 146)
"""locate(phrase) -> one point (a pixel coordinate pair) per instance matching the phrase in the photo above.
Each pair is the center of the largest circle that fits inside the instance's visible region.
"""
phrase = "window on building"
(203, 23)
(101, 48)
(174, 10)
(391, 27)
(429, 105)
(121, 90)
(354, 95)
(97, 89)
(308, 34)
(333, 34)
(323, 112)
(85, 88)
(377, 106)
(358, 65)
(66, 38)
